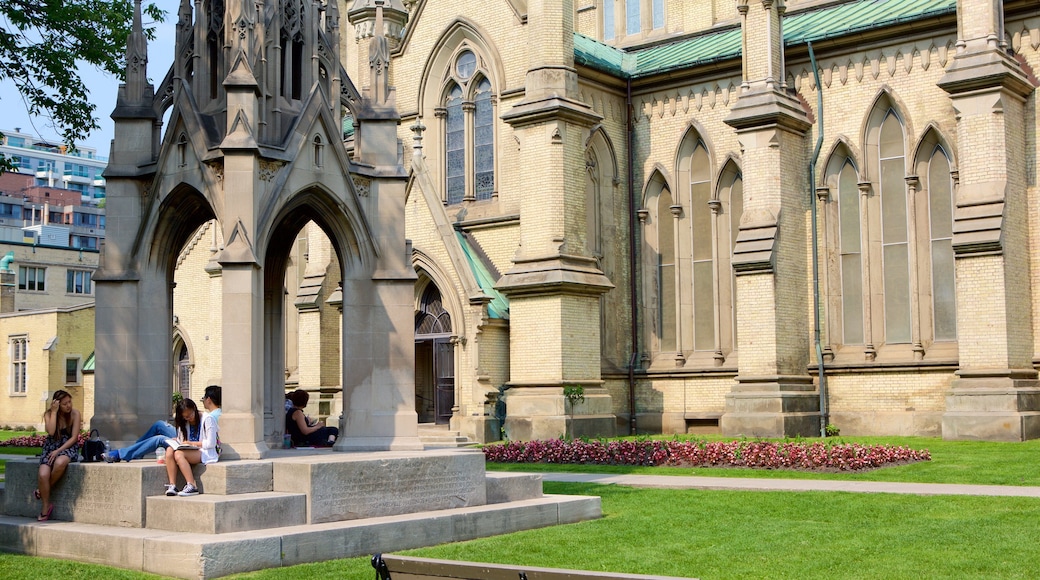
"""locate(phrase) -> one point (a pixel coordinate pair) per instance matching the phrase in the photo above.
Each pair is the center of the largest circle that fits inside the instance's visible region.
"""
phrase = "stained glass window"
(484, 141)
(455, 147)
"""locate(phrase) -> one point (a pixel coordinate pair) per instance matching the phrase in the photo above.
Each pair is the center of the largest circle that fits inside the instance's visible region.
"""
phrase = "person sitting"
(154, 438)
(61, 447)
(199, 432)
(304, 431)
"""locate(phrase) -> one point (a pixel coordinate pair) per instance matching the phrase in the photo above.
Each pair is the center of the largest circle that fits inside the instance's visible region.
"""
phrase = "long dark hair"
(59, 418)
(178, 416)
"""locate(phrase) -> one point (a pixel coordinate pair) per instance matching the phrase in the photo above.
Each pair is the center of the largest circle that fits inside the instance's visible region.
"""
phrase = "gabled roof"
(817, 24)
(499, 305)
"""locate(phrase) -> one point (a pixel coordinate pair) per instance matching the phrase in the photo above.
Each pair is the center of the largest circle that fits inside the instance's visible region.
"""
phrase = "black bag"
(93, 448)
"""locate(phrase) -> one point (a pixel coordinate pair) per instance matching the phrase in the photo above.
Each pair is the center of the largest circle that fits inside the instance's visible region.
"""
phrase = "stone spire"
(135, 91)
(382, 23)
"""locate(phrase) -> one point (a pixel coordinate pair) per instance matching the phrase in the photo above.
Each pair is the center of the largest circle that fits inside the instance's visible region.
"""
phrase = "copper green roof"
(88, 366)
(799, 27)
(499, 305)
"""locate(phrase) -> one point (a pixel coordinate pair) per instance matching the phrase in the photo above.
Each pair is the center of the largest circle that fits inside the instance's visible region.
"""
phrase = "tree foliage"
(40, 44)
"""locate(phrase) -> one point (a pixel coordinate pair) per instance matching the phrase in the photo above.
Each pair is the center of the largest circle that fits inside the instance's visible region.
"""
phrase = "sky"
(102, 89)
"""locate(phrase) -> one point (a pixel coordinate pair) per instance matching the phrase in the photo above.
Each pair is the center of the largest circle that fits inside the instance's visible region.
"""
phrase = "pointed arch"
(659, 265)
(843, 236)
(696, 181)
(728, 200)
(183, 356)
(459, 86)
(934, 165)
(431, 272)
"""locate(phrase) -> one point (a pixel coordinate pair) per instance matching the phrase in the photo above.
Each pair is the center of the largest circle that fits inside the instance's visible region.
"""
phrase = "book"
(177, 445)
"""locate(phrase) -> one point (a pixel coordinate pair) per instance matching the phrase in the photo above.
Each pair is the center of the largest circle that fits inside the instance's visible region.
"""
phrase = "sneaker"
(189, 489)
(171, 489)
(111, 456)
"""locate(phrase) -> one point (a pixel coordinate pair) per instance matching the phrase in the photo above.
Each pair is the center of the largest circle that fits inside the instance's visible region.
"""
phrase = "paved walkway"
(749, 484)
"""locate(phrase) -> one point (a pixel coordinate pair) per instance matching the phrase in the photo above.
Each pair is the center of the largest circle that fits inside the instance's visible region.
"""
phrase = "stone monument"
(257, 96)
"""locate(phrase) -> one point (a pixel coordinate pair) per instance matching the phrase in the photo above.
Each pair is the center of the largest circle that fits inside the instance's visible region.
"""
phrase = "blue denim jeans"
(146, 444)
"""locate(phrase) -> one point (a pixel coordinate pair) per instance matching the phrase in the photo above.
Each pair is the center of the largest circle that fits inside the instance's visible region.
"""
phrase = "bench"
(390, 567)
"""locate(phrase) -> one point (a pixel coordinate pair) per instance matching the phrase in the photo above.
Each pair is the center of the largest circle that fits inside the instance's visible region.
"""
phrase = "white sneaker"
(189, 489)
(171, 489)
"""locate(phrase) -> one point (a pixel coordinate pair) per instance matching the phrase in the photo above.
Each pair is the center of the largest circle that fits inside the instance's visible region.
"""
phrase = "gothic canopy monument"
(256, 97)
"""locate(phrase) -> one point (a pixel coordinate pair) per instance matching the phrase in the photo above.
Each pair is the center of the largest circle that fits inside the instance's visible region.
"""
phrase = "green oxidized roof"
(499, 305)
(799, 27)
(89, 365)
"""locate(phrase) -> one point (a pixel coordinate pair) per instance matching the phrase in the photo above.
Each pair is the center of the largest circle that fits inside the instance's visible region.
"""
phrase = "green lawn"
(729, 534)
(725, 534)
(4, 436)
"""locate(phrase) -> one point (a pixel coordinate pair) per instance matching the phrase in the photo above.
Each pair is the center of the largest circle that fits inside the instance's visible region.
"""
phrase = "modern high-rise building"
(54, 165)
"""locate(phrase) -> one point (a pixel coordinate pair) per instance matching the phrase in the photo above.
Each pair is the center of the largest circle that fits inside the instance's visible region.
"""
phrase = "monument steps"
(442, 437)
(220, 514)
(295, 507)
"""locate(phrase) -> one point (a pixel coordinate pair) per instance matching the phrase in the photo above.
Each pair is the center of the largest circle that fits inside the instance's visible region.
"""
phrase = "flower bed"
(36, 440)
(756, 454)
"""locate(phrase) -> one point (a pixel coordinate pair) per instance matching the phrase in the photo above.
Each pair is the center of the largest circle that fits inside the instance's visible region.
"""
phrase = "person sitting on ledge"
(304, 431)
(154, 438)
(198, 442)
(61, 447)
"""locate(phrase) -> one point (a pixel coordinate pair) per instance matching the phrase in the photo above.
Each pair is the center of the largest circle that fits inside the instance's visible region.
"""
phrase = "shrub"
(755, 454)
(36, 440)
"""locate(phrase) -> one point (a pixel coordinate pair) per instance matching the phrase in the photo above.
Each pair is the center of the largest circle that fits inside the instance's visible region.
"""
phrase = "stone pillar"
(995, 395)
(379, 320)
(132, 325)
(773, 395)
(554, 286)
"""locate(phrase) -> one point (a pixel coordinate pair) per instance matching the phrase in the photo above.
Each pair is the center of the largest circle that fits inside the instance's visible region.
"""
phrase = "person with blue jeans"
(157, 435)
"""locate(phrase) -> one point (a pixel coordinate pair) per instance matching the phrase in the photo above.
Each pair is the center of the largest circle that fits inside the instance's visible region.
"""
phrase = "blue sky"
(102, 88)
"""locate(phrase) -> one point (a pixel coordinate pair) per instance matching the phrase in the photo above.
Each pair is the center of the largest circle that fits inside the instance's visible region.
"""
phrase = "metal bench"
(390, 567)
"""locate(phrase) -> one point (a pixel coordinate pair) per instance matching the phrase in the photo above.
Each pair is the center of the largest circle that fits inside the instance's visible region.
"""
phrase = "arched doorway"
(434, 359)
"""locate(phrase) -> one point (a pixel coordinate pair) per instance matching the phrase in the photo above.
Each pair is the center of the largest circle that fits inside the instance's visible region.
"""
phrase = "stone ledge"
(197, 555)
(221, 514)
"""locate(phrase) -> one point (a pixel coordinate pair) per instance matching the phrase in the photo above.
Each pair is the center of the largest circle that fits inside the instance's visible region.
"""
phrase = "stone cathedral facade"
(659, 202)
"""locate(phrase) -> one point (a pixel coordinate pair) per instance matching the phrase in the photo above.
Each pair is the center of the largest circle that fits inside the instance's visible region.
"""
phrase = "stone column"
(773, 395)
(554, 286)
(132, 319)
(995, 394)
(379, 319)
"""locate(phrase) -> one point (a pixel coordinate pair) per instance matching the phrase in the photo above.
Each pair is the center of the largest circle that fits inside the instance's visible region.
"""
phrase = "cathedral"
(592, 217)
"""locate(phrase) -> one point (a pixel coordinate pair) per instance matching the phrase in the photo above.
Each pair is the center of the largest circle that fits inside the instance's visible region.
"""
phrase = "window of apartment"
(16, 141)
(72, 376)
(31, 278)
(10, 210)
(84, 242)
(467, 115)
(19, 347)
(78, 282)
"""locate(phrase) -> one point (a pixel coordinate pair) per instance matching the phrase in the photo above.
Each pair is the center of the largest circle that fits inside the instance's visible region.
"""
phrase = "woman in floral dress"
(62, 446)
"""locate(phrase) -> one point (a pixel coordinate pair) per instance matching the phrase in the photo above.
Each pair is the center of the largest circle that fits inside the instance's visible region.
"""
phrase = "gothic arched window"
(467, 113)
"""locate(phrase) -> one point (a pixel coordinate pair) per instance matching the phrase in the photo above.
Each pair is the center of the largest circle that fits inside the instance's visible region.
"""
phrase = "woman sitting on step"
(197, 438)
(62, 446)
(305, 432)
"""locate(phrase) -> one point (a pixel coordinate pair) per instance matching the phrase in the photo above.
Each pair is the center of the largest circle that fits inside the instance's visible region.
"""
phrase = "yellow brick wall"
(56, 262)
(196, 307)
(72, 331)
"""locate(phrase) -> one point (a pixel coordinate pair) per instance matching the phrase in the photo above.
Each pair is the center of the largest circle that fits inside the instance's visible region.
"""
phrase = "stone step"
(115, 493)
(198, 555)
(221, 514)
(506, 487)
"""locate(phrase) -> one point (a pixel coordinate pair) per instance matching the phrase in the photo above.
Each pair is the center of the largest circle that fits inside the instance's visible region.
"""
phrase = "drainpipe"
(632, 285)
(816, 247)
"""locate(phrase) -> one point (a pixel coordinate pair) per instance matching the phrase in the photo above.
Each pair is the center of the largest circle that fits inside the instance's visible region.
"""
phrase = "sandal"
(44, 516)
(36, 494)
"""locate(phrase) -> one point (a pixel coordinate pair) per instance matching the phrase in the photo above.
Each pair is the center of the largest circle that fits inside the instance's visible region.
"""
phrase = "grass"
(967, 462)
(731, 534)
(4, 436)
(717, 535)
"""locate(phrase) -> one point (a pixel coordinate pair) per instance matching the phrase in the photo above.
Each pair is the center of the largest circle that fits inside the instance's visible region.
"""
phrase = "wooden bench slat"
(408, 568)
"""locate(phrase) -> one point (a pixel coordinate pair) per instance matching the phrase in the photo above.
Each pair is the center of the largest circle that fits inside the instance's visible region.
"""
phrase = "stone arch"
(313, 204)
(462, 30)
